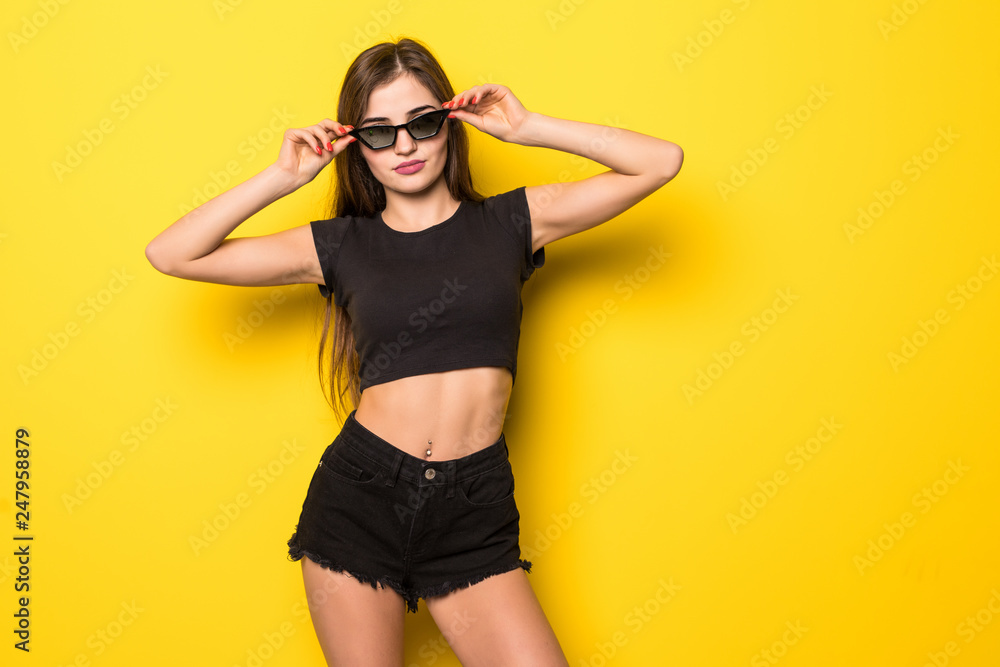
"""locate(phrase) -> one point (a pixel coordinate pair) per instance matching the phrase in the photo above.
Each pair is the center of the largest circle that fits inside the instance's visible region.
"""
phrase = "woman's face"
(392, 104)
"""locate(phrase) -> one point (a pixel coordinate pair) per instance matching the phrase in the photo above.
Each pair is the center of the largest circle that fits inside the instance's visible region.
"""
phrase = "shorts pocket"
(490, 488)
(347, 464)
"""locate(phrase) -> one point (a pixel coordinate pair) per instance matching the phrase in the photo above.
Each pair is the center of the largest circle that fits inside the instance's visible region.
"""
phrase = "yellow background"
(229, 72)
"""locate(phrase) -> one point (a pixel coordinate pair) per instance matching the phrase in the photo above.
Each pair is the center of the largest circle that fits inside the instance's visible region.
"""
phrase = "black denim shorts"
(423, 528)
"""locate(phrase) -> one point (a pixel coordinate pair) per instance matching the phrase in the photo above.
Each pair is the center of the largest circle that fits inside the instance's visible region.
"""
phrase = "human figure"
(414, 497)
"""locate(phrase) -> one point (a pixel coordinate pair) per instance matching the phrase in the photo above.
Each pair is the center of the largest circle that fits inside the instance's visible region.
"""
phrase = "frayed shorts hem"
(410, 594)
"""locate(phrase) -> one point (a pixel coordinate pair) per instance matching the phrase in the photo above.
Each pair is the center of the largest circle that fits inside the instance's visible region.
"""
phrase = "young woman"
(415, 496)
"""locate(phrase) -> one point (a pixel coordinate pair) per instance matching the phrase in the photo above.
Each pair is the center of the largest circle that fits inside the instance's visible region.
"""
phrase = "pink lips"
(410, 167)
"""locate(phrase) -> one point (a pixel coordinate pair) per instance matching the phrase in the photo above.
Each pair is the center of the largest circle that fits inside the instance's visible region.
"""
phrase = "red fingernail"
(451, 115)
(318, 151)
(329, 146)
(474, 100)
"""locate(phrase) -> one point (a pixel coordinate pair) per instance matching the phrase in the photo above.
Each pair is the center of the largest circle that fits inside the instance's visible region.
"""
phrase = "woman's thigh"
(497, 621)
(355, 624)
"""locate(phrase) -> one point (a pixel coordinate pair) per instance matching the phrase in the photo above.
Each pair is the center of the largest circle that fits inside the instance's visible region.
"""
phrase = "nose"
(405, 144)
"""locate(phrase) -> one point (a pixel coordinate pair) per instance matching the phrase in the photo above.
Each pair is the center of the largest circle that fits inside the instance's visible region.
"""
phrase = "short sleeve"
(328, 235)
(510, 209)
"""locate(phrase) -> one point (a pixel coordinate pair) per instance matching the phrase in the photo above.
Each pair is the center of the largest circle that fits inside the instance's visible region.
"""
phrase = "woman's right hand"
(305, 151)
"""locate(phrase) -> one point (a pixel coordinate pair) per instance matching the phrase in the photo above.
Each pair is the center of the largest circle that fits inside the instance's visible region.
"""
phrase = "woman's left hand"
(491, 108)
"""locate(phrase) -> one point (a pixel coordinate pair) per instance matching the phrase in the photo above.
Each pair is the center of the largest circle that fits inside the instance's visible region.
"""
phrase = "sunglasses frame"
(404, 126)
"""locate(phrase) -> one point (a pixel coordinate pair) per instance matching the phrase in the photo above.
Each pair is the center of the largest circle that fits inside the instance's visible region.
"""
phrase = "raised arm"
(640, 164)
(196, 246)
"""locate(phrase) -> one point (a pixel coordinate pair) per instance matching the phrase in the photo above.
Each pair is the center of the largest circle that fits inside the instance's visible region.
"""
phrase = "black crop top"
(438, 299)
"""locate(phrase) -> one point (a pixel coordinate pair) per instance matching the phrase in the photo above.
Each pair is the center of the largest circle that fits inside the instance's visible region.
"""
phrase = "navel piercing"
(428, 449)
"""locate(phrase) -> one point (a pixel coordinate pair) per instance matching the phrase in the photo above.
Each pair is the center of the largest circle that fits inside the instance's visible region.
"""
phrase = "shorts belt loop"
(452, 467)
(390, 479)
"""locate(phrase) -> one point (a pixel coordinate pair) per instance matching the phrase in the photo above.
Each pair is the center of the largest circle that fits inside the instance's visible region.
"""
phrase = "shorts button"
(429, 473)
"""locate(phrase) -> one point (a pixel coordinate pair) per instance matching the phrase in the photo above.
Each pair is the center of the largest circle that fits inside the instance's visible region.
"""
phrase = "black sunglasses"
(424, 126)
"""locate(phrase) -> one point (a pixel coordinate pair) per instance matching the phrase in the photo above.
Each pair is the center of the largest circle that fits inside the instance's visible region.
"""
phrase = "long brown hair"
(356, 192)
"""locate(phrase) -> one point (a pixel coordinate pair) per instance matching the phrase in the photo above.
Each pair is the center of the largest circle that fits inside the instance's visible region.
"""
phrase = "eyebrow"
(408, 113)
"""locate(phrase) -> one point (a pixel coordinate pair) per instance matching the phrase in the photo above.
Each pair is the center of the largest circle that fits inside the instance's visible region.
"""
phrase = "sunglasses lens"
(378, 136)
(427, 125)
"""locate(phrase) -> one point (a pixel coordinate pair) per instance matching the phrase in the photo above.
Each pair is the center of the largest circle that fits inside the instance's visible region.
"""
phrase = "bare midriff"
(452, 414)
